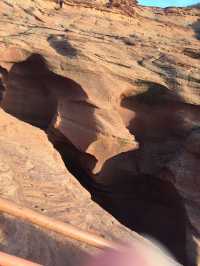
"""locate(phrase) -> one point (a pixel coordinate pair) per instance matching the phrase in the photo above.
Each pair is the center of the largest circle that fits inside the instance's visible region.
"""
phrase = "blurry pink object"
(137, 254)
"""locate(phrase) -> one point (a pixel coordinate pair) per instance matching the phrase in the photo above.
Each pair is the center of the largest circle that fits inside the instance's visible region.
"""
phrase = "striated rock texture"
(33, 175)
(116, 88)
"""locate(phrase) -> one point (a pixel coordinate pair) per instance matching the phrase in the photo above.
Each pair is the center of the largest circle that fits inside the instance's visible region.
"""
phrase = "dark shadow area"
(152, 207)
(148, 204)
(3, 74)
(193, 53)
(196, 27)
(62, 46)
(27, 97)
(78, 163)
(2, 91)
(30, 242)
(152, 94)
(32, 92)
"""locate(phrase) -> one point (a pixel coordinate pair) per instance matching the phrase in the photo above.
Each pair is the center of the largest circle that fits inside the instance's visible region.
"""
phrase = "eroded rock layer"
(116, 88)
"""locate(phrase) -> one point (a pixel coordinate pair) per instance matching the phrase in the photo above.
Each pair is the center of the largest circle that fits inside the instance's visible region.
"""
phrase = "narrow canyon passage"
(143, 203)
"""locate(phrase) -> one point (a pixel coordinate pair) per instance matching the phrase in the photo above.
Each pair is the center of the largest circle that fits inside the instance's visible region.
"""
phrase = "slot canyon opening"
(147, 205)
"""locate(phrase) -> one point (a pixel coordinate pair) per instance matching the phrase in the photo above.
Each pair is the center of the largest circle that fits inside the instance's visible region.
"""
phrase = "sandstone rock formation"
(33, 175)
(116, 88)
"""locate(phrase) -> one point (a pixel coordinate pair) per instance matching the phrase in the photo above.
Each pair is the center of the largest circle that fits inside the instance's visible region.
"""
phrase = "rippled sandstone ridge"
(115, 88)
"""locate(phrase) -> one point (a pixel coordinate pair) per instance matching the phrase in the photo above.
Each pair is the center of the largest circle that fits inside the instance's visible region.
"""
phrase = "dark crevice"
(2, 91)
(3, 74)
(142, 202)
(191, 52)
(146, 204)
(196, 27)
(62, 46)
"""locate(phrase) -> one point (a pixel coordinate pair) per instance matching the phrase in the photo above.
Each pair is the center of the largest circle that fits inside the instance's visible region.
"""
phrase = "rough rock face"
(117, 91)
(33, 175)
